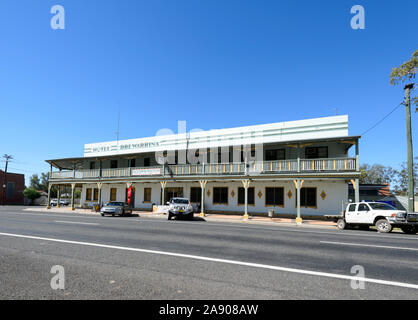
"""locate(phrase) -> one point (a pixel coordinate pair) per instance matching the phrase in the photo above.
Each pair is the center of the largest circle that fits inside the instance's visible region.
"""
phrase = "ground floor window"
(195, 194)
(241, 195)
(96, 194)
(308, 197)
(113, 192)
(147, 194)
(274, 196)
(88, 194)
(220, 195)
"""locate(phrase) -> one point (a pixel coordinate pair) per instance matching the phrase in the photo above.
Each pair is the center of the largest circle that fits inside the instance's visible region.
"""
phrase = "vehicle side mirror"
(168, 202)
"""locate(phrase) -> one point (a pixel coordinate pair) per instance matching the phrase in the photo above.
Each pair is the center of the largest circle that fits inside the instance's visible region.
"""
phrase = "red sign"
(129, 195)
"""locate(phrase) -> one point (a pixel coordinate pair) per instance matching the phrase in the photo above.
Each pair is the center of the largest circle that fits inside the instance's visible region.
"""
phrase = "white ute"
(382, 215)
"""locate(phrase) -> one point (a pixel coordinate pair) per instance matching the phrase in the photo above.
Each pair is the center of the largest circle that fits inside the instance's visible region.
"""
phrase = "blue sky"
(213, 63)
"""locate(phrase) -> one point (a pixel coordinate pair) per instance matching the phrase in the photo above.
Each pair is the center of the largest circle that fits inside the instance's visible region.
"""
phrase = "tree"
(77, 194)
(35, 183)
(402, 177)
(31, 193)
(44, 182)
(376, 174)
(406, 73)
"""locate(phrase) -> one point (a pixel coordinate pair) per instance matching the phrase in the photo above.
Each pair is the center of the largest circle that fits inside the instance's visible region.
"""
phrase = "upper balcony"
(252, 169)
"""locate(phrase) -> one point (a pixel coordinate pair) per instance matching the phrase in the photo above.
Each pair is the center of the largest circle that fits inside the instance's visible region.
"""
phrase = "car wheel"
(191, 216)
(102, 214)
(341, 224)
(409, 229)
(383, 226)
(169, 216)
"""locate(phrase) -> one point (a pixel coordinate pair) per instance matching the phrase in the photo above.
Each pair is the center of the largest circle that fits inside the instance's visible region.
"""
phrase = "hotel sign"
(146, 172)
(112, 148)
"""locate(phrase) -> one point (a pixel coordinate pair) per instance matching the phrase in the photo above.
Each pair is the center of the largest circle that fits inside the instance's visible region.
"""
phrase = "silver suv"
(180, 207)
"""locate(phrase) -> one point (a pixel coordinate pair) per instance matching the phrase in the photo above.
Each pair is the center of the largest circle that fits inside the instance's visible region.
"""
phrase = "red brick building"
(11, 188)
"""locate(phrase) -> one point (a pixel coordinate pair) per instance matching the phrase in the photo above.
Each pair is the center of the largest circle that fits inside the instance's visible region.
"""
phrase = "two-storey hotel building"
(295, 168)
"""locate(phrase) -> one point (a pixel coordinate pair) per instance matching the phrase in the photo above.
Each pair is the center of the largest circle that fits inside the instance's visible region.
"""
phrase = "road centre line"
(368, 245)
(226, 261)
(76, 222)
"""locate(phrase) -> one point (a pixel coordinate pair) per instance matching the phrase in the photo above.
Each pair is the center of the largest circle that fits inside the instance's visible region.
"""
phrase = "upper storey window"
(316, 152)
(277, 154)
(113, 164)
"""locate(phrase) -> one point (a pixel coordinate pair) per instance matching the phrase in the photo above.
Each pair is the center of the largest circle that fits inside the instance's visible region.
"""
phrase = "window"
(308, 197)
(275, 196)
(113, 164)
(96, 194)
(132, 163)
(113, 192)
(277, 154)
(241, 195)
(88, 194)
(381, 206)
(195, 194)
(92, 165)
(10, 189)
(147, 162)
(147, 194)
(352, 207)
(316, 152)
(363, 207)
(220, 195)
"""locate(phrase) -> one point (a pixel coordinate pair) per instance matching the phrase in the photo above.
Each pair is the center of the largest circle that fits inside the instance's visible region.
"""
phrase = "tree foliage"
(402, 176)
(376, 174)
(379, 174)
(31, 193)
(34, 182)
(406, 73)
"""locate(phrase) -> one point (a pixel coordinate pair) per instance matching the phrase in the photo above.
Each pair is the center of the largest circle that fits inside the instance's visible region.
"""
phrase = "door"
(351, 213)
(363, 213)
(170, 193)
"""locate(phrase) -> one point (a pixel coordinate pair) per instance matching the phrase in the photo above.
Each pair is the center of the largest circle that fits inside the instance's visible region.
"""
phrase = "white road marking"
(76, 222)
(368, 245)
(226, 261)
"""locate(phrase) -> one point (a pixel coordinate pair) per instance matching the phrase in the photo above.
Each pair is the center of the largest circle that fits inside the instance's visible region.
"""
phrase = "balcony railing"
(251, 169)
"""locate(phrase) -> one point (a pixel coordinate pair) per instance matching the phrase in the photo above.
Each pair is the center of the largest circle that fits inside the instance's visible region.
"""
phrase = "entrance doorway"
(170, 193)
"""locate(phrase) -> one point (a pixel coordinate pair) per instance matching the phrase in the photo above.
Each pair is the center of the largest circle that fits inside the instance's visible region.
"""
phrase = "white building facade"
(294, 168)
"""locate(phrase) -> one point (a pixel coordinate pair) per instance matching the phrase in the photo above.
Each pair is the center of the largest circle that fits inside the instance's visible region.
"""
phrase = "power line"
(380, 121)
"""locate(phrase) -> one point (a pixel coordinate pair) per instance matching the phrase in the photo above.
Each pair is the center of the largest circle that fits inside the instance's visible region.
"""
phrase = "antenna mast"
(117, 132)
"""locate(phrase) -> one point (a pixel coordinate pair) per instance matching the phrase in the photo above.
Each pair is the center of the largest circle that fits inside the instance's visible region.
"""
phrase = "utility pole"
(8, 158)
(411, 177)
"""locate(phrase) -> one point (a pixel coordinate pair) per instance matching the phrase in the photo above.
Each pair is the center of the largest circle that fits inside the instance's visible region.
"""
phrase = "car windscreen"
(115, 204)
(381, 206)
(181, 201)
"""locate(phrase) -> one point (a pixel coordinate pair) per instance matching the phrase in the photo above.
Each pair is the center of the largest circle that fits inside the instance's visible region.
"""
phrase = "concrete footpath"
(208, 217)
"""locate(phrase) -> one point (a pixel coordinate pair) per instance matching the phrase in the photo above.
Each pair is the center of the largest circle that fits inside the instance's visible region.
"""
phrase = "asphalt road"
(148, 258)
